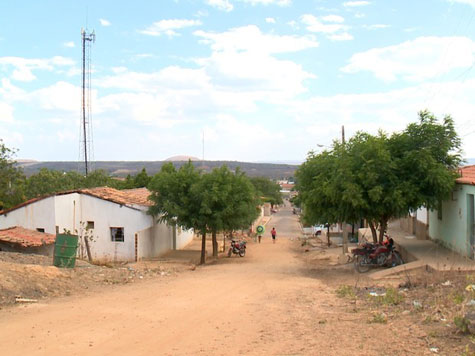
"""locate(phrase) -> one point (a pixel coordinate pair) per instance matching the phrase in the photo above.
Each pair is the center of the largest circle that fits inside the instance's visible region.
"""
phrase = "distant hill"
(123, 168)
(181, 158)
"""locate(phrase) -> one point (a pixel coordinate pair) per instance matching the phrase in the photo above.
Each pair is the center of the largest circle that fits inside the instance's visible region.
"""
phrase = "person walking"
(274, 234)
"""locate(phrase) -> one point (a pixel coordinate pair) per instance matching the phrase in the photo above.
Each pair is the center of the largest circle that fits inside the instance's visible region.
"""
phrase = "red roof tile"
(467, 175)
(25, 237)
(138, 196)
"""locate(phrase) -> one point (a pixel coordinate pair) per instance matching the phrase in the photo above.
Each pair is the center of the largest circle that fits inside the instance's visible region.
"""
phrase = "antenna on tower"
(86, 141)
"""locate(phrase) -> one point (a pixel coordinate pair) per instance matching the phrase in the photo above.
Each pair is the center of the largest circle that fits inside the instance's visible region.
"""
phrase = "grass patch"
(379, 318)
(345, 291)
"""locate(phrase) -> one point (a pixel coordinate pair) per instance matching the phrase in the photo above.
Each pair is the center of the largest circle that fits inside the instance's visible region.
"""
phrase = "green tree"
(11, 179)
(381, 177)
(229, 202)
(212, 202)
(142, 179)
(268, 190)
(178, 200)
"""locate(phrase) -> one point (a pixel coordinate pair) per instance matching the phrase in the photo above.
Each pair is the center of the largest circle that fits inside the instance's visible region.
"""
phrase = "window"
(117, 234)
(40, 229)
(90, 225)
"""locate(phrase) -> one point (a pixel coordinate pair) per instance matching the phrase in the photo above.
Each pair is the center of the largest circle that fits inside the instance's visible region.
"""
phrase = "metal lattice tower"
(86, 147)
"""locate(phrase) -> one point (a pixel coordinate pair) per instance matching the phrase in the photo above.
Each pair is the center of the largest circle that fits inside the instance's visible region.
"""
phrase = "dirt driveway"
(267, 303)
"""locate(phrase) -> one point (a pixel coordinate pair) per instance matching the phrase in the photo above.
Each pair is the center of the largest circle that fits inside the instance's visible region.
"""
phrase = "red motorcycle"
(238, 248)
(376, 255)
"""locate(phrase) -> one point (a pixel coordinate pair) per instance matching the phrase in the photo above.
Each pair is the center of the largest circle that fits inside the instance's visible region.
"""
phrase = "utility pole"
(343, 224)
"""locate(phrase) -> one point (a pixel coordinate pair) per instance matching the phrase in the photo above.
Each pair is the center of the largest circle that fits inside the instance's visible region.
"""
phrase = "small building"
(115, 222)
(19, 239)
(453, 223)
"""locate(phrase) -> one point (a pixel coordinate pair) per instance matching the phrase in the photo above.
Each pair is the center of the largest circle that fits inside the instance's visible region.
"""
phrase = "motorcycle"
(376, 255)
(238, 248)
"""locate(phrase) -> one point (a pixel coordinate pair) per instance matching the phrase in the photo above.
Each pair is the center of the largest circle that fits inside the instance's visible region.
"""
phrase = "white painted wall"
(421, 215)
(105, 215)
(39, 214)
(72, 211)
(183, 237)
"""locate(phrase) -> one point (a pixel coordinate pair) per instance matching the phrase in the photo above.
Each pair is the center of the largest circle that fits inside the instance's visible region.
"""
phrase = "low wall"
(46, 250)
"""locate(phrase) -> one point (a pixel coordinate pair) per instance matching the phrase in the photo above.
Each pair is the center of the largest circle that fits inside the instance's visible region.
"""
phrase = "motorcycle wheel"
(242, 252)
(359, 265)
(230, 252)
(397, 259)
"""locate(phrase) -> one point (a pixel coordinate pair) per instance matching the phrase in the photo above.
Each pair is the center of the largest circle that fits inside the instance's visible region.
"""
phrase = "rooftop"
(129, 197)
(137, 196)
(467, 175)
(25, 237)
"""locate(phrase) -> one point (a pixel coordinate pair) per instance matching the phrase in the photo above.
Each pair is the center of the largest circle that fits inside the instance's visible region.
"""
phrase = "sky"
(245, 80)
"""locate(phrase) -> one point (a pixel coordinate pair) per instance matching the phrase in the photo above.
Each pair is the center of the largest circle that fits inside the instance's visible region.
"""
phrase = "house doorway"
(471, 225)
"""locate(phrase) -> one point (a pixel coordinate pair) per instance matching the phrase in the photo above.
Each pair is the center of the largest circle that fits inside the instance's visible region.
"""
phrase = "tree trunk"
(215, 243)
(373, 231)
(382, 229)
(328, 234)
(344, 227)
(203, 248)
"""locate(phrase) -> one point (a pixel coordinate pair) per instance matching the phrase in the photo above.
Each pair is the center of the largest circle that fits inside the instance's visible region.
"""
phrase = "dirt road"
(267, 303)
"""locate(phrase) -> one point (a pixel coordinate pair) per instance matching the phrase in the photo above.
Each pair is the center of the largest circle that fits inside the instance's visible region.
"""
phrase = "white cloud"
(223, 5)
(333, 18)
(23, 67)
(331, 25)
(415, 60)
(69, 44)
(61, 96)
(268, 2)
(6, 112)
(250, 38)
(104, 22)
(270, 20)
(376, 26)
(169, 27)
(466, 2)
(344, 36)
(355, 3)
(322, 116)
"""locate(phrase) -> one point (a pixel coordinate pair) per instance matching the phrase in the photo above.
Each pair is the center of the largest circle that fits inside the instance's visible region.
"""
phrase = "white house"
(117, 221)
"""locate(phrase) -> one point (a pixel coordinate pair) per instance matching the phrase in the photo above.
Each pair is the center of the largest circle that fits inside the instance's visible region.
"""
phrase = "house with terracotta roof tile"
(453, 223)
(18, 239)
(116, 220)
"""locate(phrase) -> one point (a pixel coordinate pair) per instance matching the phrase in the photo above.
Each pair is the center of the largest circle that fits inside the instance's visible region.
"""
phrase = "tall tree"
(142, 179)
(268, 190)
(11, 179)
(178, 200)
(229, 202)
(380, 177)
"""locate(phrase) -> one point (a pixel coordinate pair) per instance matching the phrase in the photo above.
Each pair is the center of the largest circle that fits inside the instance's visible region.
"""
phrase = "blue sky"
(263, 80)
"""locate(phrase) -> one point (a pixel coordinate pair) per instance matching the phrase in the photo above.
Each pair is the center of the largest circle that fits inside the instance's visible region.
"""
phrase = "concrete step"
(397, 270)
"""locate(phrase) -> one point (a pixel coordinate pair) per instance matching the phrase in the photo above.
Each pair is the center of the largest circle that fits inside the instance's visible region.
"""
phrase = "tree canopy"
(379, 177)
(11, 179)
(268, 190)
(209, 202)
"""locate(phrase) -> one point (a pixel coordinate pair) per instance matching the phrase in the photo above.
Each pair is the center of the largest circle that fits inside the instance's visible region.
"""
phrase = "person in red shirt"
(274, 234)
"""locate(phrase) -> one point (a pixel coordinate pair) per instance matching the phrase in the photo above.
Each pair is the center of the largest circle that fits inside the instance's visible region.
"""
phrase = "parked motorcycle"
(238, 248)
(376, 255)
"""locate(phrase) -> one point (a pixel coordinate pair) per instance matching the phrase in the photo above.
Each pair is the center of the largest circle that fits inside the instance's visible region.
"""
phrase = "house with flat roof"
(115, 222)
